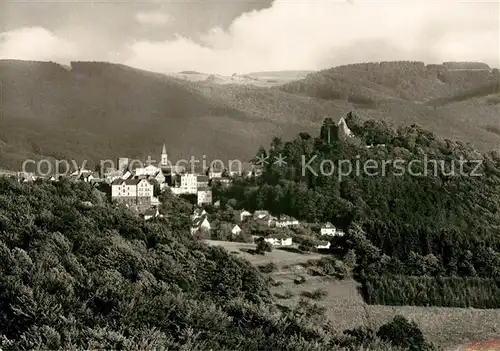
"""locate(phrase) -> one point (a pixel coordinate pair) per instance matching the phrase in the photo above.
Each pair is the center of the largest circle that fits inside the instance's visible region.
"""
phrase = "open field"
(345, 308)
(444, 326)
(279, 257)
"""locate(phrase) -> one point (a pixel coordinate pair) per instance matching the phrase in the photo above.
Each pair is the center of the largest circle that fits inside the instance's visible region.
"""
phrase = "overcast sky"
(247, 36)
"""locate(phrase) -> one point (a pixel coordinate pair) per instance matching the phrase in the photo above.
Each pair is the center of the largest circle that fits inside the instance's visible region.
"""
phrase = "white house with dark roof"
(26, 177)
(286, 221)
(186, 183)
(323, 245)
(204, 196)
(277, 240)
(198, 212)
(132, 191)
(88, 177)
(151, 213)
(200, 224)
(160, 177)
(111, 174)
(264, 217)
(149, 170)
(236, 230)
(260, 214)
(328, 229)
(243, 215)
(127, 175)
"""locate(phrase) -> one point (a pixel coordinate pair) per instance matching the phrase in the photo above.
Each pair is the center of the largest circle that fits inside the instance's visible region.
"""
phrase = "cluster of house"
(176, 178)
(134, 187)
(83, 175)
(201, 223)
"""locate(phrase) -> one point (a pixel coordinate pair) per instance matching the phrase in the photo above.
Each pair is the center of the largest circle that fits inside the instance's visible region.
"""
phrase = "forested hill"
(454, 216)
(406, 80)
(75, 275)
(456, 100)
(97, 110)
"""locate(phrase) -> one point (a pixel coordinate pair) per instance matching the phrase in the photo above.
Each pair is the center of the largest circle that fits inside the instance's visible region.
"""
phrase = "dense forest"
(79, 272)
(436, 220)
(98, 111)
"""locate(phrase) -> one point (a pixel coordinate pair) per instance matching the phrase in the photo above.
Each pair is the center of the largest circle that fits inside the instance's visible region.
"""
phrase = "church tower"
(164, 157)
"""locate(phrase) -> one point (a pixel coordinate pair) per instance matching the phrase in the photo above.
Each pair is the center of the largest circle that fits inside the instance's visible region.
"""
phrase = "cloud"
(313, 35)
(152, 18)
(36, 43)
(288, 35)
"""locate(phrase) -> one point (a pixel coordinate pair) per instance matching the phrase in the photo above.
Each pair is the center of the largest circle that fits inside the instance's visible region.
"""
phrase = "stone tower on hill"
(343, 131)
(331, 132)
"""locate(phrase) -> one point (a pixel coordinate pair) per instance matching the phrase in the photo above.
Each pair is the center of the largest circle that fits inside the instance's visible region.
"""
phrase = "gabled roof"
(199, 212)
(328, 225)
(127, 175)
(260, 214)
(126, 181)
(198, 221)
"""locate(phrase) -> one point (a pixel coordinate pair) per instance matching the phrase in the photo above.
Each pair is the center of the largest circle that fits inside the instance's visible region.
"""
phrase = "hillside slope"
(258, 79)
(456, 100)
(96, 111)
(409, 81)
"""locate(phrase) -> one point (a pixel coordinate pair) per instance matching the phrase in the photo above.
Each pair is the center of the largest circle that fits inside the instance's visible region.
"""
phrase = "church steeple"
(164, 157)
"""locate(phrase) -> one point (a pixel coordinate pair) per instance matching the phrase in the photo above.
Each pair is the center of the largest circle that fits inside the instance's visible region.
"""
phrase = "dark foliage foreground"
(87, 277)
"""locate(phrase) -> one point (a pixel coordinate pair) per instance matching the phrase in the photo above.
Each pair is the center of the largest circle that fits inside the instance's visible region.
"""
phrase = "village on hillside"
(138, 188)
(135, 186)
